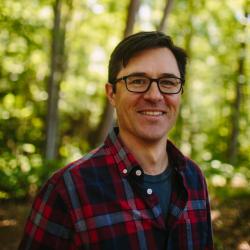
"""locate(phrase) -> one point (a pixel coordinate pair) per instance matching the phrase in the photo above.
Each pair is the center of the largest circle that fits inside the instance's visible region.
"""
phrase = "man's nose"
(153, 92)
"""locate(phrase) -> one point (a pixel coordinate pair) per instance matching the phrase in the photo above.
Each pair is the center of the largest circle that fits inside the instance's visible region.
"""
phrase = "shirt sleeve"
(210, 245)
(49, 225)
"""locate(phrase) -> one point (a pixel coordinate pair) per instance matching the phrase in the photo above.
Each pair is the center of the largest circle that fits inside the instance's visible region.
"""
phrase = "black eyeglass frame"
(124, 78)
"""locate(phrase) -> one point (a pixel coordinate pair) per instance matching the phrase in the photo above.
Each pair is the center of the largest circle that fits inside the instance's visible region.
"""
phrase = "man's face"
(146, 116)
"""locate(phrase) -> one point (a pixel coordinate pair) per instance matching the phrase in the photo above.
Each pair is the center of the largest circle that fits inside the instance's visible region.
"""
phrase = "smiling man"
(137, 190)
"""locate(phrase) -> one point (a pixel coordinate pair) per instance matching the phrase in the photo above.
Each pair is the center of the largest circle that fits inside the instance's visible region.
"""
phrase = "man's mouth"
(152, 113)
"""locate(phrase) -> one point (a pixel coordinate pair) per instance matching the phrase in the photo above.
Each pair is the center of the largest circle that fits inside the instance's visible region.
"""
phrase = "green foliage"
(211, 32)
(22, 174)
(213, 39)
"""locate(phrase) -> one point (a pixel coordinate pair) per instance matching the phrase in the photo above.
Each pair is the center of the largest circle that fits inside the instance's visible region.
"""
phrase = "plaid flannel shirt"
(99, 202)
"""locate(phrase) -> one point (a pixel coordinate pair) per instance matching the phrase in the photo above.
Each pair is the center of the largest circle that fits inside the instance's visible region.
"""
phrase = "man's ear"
(110, 93)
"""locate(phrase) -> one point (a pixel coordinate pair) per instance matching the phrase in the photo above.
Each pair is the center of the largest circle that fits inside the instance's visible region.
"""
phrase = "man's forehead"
(156, 59)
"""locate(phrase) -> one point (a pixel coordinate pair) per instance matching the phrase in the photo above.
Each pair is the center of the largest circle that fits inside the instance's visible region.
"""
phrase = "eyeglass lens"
(141, 84)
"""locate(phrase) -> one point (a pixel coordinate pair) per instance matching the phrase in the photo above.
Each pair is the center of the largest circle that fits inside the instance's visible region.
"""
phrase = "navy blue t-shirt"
(161, 186)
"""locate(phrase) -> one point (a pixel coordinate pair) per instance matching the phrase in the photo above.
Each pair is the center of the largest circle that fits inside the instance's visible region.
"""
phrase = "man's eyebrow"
(161, 75)
(169, 75)
(138, 74)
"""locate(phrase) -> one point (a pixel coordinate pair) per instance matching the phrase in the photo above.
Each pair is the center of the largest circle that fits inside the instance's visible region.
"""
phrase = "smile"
(152, 113)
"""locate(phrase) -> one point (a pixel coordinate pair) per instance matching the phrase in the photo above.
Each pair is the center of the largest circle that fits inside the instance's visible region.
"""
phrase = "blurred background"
(53, 67)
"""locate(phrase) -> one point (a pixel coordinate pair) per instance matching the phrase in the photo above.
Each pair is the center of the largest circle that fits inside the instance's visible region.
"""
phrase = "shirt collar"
(176, 158)
(127, 163)
(123, 157)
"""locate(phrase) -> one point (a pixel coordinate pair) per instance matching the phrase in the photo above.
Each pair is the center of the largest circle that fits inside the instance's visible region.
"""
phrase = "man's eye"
(138, 81)
(168, 82)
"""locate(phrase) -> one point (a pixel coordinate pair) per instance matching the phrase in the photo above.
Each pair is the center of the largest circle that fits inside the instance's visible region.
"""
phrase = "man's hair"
(144, 40)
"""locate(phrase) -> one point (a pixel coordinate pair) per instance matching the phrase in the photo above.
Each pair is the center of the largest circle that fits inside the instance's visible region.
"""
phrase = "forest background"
(53, 67)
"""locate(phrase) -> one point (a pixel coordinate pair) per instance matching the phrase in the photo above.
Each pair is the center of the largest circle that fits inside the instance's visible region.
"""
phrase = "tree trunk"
(233, 140)
(131, 16)
(163, 24)
(107, 117)
(57, 69)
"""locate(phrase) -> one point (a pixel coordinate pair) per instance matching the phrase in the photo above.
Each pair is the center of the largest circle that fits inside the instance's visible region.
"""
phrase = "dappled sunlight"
(231, 222)
(215, 214)
(213, 128)
(239, 181)
(244, 245)
(218, 181)
(8, 223)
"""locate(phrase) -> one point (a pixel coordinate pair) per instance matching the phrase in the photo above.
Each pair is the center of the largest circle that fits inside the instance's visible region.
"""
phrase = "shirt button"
(138, 172)
(149, 191)
(125, 171)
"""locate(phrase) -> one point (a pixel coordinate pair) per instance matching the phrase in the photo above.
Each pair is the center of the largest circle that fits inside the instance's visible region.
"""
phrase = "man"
(137, 190)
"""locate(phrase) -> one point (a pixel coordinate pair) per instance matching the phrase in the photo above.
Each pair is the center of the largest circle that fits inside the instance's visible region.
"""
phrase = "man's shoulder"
(67, 183)
(193, 174)
(96, 158)
(192, 166)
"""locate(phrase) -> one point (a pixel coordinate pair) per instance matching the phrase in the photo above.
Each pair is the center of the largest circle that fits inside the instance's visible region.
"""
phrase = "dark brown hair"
(135, 43)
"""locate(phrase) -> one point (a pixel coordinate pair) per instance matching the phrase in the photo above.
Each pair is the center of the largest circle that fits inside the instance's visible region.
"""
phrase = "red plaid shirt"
(98, 202)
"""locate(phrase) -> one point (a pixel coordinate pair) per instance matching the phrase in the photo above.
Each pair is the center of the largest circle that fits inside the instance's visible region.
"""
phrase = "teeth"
(153, 113)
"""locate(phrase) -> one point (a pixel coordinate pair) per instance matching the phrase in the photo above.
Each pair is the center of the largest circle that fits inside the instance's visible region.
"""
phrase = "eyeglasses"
(141, 84)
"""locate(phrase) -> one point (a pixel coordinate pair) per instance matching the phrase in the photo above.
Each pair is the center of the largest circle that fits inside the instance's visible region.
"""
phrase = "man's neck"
(151, 155)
